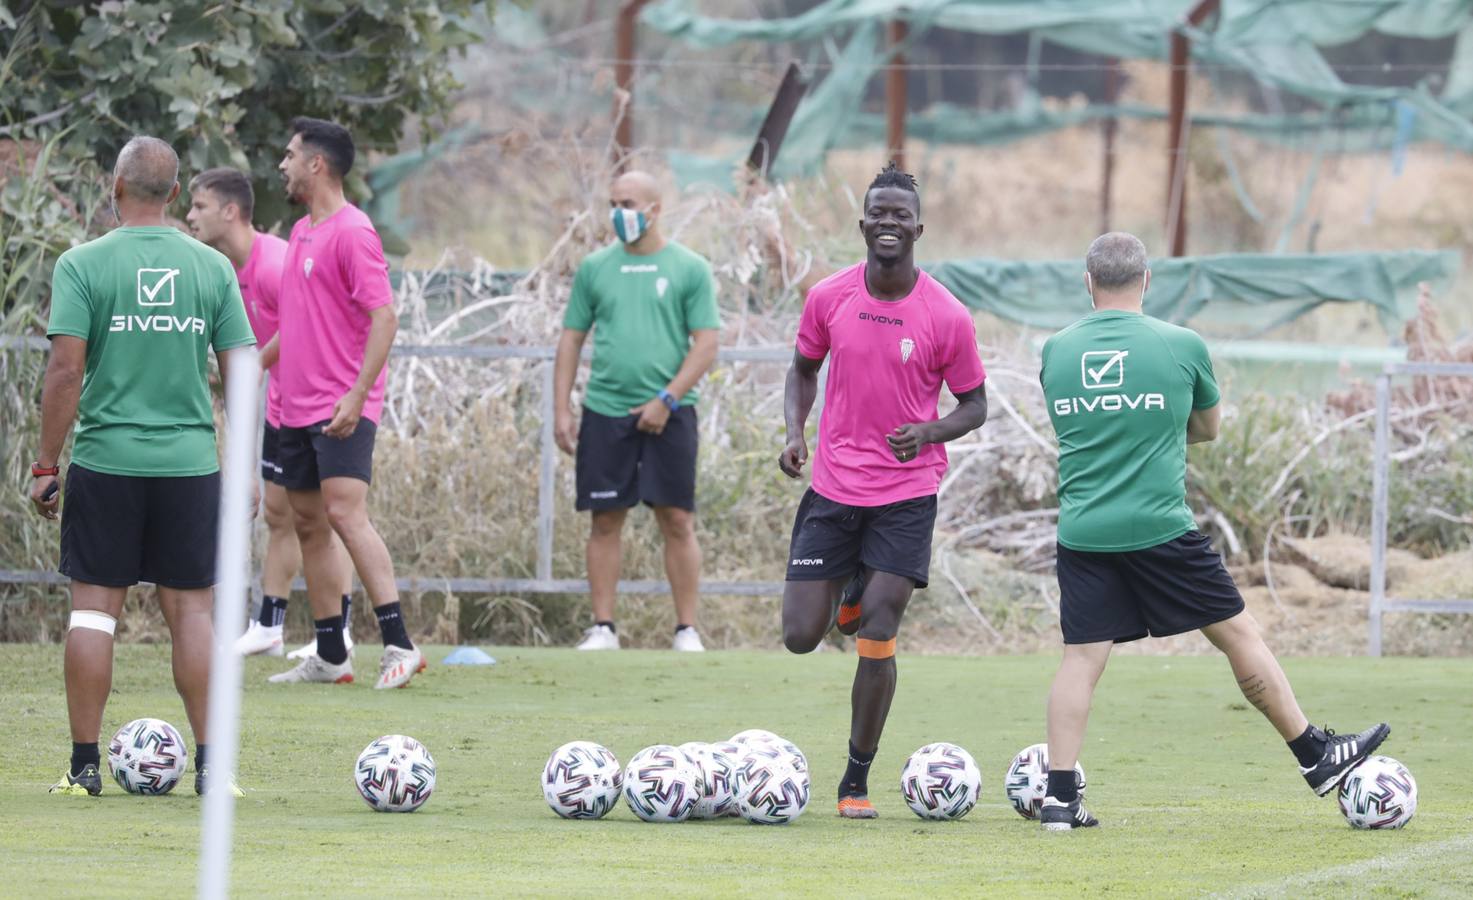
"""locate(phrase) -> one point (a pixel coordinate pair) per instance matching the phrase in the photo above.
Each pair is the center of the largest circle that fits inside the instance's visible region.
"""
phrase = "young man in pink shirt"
(336, 324)
(221, 202)
(862, 536)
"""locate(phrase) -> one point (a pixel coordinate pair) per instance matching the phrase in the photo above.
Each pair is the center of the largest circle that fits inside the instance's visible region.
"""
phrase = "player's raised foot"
(87, 783)
(260, 639)
(202, 782)
(397, 666)
(849, 614)
(688, 640)
(599, 637)
(1057, 815)
(316, 670)
(1343, 752)
(310, 649)
(857, 807)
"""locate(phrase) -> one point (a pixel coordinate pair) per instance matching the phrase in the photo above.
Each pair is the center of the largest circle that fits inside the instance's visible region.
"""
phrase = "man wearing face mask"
(651, 304)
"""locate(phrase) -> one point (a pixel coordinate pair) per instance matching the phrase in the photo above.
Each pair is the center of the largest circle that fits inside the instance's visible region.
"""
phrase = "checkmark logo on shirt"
(152, 284)
(1097, 366)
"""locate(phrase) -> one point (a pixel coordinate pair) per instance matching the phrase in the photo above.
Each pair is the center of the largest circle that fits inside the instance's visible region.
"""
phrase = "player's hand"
(652, 416)
(906, 441)
(794, 455)
(345, 415)
(565, 431)
(46, 495)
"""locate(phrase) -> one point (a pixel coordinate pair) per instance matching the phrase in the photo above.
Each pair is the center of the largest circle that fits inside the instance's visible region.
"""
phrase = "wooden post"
(895, 96)
(1176, 179)
(624, 57)
(1111, 126)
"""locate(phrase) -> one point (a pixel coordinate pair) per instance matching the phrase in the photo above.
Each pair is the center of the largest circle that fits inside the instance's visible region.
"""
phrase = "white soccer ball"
(147, 756)
(582, 780)
(718, 777)
(766, 743)
(941, 781)
(753, 734)
(1378, 793)
(395, 774)
(1026, 783)
(771, 791)
(662, 784)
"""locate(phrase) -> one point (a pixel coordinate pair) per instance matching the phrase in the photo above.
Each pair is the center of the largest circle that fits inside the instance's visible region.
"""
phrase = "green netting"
(1246, 294)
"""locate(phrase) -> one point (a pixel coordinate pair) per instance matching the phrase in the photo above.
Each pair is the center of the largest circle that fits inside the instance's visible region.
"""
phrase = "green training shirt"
(150, 302)
(641, 310)
(1119, 387)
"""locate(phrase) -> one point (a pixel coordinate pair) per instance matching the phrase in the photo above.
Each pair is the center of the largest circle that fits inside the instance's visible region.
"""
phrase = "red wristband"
(40, 471)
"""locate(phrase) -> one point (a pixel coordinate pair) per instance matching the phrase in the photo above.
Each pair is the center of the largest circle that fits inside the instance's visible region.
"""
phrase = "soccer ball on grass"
(940, 781)
(1026, 782)
(582, 780)
(395, 774)
(147, 756)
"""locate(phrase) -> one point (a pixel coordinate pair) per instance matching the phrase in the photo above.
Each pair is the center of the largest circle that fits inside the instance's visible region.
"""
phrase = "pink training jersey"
(334, 274)
(887, 361)
(260, 284)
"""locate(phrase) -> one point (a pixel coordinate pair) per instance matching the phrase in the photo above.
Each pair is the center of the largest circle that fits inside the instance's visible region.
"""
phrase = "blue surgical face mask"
(629, 224)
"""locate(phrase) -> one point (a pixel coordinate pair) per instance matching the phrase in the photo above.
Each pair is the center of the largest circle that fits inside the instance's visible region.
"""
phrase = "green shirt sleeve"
(1198, 363)
(232, 328)
(71, 305)
(579, 316)
(701, 312)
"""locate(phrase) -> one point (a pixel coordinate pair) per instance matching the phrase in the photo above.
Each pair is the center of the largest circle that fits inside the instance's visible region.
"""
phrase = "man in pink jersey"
(336, 323)
(220, 207)
(862, 537)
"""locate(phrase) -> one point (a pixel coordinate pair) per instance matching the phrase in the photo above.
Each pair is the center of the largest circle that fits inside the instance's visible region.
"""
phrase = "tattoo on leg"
(1254, 688)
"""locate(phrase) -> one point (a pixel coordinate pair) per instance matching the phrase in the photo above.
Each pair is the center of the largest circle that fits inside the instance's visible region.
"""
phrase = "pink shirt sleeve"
(963, 370)
(813, 328)
(365, 271)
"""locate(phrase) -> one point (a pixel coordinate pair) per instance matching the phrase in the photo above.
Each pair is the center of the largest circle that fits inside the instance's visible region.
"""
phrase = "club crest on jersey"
(307, 267)
(660, 286)
(907, 347)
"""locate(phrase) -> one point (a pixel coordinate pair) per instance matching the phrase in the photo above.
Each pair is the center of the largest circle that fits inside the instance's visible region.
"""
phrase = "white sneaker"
(260, 638)
(397, 666)
(307, 650)
(599, 637)
(316, 670)
(688, 640)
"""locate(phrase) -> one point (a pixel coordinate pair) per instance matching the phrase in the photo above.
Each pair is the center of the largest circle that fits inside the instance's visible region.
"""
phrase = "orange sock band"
(876, 649)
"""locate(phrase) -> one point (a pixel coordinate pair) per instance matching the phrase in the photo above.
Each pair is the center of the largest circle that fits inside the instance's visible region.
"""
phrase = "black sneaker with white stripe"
(1057, 815)
(1342, 753)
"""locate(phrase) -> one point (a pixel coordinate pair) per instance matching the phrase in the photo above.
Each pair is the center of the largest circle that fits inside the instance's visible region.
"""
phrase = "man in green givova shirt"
(1127, 393)
(651, 305)
(133, 317)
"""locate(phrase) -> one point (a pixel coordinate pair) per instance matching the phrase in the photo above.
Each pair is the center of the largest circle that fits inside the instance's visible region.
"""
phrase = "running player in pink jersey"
(862, 537)
(336, 324)
(221, 202)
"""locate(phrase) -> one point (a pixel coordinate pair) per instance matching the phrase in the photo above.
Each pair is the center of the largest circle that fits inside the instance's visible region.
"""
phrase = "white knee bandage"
(97, 621)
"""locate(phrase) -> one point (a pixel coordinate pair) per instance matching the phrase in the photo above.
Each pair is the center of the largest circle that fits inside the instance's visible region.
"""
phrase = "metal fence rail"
(1380, 478)
(543, 582)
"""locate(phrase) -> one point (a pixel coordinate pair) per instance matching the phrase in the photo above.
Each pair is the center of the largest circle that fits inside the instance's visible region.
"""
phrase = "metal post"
(895, 95)
(1379, 477)
(624, 56)
(1176, 179)
(546, 483)
(1111, 126)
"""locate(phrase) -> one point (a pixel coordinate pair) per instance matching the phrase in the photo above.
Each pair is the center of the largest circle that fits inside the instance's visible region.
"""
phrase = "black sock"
(856, 776)
(347, 612)
(273, 611)
(391, 626)
(680, 628)
(1063, 785)
(84, 755)
(199, 756)
(330, 644)
(610, 626)
(1309, 747)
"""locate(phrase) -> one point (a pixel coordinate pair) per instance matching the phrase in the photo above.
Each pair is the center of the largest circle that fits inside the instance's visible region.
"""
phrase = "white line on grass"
(1295, 885)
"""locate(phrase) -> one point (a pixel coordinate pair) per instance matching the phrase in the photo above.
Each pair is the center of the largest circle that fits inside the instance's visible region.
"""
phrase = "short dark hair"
(329, 139)
(892, 177)
(232, 185)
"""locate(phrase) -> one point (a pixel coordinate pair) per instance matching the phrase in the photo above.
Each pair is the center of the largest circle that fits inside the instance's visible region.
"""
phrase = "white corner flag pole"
(233, 555)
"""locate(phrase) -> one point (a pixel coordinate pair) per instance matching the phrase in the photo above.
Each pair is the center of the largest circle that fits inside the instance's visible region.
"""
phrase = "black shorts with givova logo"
(1167, 589)
(832, 540)
(619, 466)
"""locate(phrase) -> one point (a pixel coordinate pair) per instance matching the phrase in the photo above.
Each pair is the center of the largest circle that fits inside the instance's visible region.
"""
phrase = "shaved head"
(640, 187)
(148, 169)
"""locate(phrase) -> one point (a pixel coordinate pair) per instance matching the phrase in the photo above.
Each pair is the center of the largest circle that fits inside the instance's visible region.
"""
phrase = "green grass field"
(1196, 794)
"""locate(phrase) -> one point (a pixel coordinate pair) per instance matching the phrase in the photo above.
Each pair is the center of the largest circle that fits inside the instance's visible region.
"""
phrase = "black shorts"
(118, 530)
(1167, 589)
(619, 466)
(832, 540)
(271, 454)
(306, 456)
